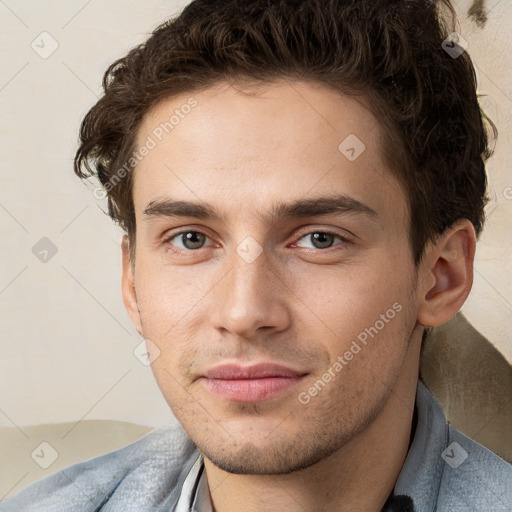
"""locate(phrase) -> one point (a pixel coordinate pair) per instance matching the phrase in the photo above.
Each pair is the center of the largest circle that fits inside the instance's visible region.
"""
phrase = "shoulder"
(138, 477)
(445, 470)
(473, 477)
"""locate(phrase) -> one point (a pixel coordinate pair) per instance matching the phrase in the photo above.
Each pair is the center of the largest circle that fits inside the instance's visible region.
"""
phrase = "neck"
(359, 476)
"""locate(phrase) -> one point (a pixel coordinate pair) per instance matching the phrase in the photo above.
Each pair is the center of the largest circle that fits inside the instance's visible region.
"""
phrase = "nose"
(250, 299)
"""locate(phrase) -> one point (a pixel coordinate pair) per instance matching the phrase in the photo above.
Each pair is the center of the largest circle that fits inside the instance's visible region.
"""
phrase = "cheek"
(356, 298)
(366, 357)
(182, 403)
(370, 316)
(167, 297)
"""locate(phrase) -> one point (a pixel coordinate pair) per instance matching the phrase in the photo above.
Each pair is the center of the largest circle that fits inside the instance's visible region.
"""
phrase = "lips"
(255, 371)
(252, 383)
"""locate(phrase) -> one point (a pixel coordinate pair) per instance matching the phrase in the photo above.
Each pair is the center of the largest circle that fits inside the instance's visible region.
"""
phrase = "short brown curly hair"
(392, 51)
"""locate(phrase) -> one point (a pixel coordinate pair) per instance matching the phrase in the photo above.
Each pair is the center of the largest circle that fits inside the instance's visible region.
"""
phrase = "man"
(301, 183)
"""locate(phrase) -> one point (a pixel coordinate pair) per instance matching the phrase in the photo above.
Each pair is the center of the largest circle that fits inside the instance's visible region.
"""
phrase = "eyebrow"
(310, 207)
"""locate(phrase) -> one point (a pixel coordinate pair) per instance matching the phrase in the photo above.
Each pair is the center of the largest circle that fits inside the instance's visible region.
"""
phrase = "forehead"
(253, 146)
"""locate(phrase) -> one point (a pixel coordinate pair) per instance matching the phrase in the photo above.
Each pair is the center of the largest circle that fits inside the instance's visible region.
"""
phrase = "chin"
(274, 459)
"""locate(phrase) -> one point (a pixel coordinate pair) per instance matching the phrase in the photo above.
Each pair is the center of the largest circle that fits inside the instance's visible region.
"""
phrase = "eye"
(323, 239)
(190, 240)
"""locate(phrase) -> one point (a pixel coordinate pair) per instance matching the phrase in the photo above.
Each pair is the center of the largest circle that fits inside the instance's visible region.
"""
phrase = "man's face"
(316, 294)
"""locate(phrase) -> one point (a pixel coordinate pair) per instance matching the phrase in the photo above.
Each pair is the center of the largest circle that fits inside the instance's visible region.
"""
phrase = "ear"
(128, 287)
(446, 274)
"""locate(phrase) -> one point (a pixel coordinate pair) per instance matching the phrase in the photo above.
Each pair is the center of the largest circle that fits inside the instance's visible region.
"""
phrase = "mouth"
(252, 383)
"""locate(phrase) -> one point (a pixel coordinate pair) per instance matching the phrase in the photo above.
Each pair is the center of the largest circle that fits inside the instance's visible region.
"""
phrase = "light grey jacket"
(444, 471)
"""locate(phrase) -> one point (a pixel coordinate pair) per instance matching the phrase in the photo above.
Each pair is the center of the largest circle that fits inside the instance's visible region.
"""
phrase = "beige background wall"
(66, 340)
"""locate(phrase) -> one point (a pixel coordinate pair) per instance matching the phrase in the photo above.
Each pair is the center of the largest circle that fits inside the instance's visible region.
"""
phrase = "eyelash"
(344, 240)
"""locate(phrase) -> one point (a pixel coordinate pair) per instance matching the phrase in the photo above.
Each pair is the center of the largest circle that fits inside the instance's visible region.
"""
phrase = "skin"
(299, 303)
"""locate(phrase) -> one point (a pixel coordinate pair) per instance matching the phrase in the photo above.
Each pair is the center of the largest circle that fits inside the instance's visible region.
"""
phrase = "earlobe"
(446, 274)
(128, 287)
